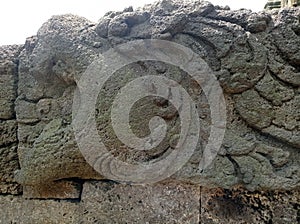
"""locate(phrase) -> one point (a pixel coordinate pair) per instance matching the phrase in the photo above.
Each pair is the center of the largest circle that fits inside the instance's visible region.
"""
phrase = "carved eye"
(44, 106)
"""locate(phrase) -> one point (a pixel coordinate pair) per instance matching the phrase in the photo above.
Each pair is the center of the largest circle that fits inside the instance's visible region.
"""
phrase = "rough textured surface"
(249, 207)
(8, 125)
(17, 210)
(172, 202)
(256, 58)
(162, 203)
(8, 84)
(59, 189)
(254, 55)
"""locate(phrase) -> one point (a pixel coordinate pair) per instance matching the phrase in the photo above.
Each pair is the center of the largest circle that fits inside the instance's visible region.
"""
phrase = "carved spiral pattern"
(92, 81)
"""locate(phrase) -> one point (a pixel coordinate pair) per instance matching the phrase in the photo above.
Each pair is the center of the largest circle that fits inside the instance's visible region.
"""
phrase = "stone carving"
(255, 56)
(249, 52)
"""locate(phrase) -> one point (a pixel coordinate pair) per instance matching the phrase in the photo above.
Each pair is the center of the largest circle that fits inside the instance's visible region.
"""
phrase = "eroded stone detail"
(171, 202)
(8, 126)
(254, 56)
(243, 206)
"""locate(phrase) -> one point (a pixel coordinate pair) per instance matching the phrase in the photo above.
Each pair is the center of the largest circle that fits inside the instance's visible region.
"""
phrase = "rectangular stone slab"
(109, 202)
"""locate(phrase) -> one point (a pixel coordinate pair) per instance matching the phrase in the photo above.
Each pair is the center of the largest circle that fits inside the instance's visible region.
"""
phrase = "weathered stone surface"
(58, 189)
(257, 68)
(9, 164)
(255, 57)
(56, 152)
(18, 210)
(240, 206)
(44, 103)
(257, 111)
(271, 89)
(161, 203)
(281, 122)
(8, 130)
(8, 80)
(109, 202)
(8, 126)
